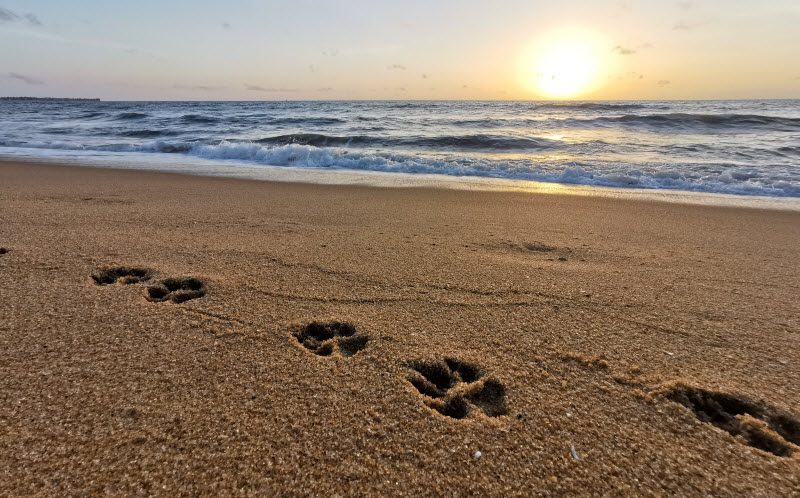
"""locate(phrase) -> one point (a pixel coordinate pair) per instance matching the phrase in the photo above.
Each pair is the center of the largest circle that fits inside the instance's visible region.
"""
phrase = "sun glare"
(563, 66)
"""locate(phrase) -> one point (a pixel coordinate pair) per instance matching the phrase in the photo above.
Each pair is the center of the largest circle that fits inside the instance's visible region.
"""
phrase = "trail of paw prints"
(331, 338)
(176, 290)
(458, 389)
(752, 422)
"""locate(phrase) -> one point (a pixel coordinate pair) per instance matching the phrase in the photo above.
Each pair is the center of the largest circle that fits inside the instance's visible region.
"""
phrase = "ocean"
(729, 147)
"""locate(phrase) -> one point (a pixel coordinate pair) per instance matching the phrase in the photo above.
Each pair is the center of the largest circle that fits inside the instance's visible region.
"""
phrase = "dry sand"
(574, 328)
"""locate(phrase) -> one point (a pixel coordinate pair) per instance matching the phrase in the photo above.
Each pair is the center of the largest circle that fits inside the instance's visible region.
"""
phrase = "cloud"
(226, 25)
(623, 50)
(7, 15)
(312, 68)
(135, 51)
(685, 5)
(619, 49)
(631, 75)
(203, 88)
(25, 79)
(42, 34)
(33, 20)
(663, 83)
(325, 89)
(689, 25)
(425, 76)
(396, 67)
(330, 52)
(258, 88)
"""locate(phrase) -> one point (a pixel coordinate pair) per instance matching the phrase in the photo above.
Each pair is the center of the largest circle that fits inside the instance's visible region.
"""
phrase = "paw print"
(458, 389)
(125, 275)
(326, 338)
(177, 290)
(752, 422)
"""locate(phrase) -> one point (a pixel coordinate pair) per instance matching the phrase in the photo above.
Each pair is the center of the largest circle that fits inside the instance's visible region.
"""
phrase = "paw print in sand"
(326, 338)
(124, 275)
(177, 290)
(751, 422)
(458, 389)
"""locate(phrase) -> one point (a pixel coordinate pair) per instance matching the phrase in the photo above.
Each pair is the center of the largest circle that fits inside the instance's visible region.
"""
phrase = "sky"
(409, 49)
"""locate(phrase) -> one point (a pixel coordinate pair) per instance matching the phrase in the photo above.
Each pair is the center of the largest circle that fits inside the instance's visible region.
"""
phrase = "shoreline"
(573, 333)
(286, 174)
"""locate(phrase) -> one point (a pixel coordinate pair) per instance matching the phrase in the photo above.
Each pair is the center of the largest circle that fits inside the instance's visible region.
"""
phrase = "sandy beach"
(179, 335)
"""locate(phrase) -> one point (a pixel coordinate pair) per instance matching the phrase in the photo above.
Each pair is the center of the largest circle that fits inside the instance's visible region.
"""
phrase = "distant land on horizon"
(50, 98)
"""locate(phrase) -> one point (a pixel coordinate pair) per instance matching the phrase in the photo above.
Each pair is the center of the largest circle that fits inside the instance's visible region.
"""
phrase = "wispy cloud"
(396, 67)
(630, 50)
(258, 88)
(630, 75)
(330, 52)
(7, 15)
(137, 51)
(425, 76)
(663, 83)
(202, 88)
(619, 49)
(690, 25)
(685, 5)
(325, 89)
(40, 34)
(25, 79)
(32, 20)
(226, 25)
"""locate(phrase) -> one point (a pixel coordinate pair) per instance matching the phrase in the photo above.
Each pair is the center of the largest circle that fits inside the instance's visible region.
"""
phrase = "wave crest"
(694, 121)
(199, 118)
(701, 177)
(449, 142)
(125, 116)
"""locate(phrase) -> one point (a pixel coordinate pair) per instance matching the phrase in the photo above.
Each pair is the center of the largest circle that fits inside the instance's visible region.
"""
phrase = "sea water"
(730, 147)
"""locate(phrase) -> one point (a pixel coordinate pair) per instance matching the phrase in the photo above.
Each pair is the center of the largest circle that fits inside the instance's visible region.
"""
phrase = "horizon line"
(565, 101)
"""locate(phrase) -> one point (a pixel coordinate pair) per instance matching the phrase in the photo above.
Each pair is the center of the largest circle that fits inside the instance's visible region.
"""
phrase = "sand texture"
(174, 335)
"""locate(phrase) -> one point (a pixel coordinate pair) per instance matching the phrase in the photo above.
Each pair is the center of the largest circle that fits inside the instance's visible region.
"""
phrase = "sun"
(565, 70)
(563, 66)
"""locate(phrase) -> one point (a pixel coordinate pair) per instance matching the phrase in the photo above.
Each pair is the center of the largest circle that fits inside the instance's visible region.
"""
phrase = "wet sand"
(483, 343)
